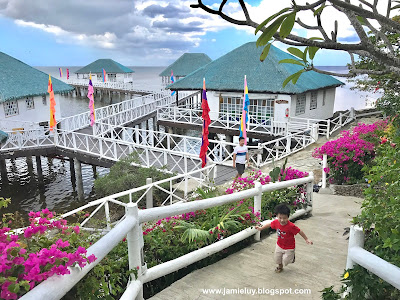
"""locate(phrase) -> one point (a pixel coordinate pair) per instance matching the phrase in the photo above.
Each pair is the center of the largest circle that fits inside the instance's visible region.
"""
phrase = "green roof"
(19, 80)
(109, 65)
(227, 73)
(186, 64)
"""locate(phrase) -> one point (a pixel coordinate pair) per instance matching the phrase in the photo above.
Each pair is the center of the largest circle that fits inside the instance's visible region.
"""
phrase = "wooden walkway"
(317, 266)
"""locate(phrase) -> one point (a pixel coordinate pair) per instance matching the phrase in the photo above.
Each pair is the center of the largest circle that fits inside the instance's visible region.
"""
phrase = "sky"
(137, 32)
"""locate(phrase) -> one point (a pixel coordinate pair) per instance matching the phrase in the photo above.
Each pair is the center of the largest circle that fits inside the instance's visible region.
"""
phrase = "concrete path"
(316, 267)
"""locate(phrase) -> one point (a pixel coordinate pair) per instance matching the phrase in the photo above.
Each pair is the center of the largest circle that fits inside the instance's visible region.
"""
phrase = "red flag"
(67, 74)
(206, 123)
(52, 105)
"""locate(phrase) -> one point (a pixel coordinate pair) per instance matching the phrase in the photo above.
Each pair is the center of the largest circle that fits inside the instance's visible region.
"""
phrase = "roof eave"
(252, 91)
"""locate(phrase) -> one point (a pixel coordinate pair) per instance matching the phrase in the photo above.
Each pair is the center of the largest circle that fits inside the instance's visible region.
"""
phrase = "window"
(301, 104)
(323, 97)
(314, 100)
(30, 104)
(112, 77)
(260, 109)
(10, 108)
(44, 100)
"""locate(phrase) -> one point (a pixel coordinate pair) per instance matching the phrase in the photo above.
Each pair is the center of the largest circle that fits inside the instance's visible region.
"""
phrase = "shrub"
(380, 220)
(348, 154)
(48, 247)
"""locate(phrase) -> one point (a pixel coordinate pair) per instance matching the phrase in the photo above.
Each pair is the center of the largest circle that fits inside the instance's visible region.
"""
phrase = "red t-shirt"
(285, 234)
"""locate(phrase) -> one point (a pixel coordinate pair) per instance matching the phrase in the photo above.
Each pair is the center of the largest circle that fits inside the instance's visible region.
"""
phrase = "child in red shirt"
(286, 230)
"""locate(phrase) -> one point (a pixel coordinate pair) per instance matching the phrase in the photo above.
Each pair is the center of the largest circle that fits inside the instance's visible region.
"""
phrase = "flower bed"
(51, 246)
(348, 154)
(48, 247)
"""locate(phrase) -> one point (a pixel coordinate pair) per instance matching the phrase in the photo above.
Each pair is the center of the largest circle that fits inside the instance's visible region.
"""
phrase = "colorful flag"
(60, 72)
(52, 122)
(245, 114)
(91, 101)
(172, 81)
(206, 123)
(104, 75)
(67, 74)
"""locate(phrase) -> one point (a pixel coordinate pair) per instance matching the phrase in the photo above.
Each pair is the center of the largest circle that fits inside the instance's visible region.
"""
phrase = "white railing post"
(328, 128)
(356, 239)
(352, 113)
(310, 189)
(149, 194)
(215, 171)
(107, 212)
(55, 137)
(324, 165)
(147, 158)
(257, 206)
(135, 241)
(340, 119)
(74, 140)
(288, 144)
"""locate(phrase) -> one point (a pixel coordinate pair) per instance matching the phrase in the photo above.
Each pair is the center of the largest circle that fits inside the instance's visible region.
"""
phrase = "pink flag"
(91, 101)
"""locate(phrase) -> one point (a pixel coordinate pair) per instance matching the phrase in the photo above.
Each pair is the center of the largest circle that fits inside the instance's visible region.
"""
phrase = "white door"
(281, 110)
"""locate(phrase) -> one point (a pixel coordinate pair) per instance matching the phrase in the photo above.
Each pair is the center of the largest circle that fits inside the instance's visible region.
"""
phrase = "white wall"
(40, 113)
(280, 108)
(322, 111)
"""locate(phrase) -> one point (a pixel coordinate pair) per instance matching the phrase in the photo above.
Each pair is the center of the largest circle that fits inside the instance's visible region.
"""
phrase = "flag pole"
(248, 115)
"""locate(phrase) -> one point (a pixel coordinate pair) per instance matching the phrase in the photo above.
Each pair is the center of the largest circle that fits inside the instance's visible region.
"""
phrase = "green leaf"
(294, 77)
(265, 52)
(305, 55)
(12, 279)
(270, 31)
(13, 288)
(316, 38)
(25, 285)
(361, 20)
(312, 51)
(319, 10)
(287, 25)
(296, 52)
(291, 61)
(266, 21)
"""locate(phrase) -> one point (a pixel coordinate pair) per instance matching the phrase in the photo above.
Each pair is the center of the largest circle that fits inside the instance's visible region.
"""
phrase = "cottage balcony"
(222, 122)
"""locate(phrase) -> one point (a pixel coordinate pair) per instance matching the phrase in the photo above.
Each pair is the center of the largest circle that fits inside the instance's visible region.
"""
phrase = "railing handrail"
(57, 286)
(373, 263)
(180, 208)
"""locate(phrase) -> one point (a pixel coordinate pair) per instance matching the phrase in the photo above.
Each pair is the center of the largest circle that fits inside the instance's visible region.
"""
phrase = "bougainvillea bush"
(380, 220)
(48, 246)
(294, 197)
(348, 154)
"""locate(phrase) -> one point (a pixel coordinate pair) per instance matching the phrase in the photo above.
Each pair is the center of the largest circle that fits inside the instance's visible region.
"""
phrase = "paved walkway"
(316, 267)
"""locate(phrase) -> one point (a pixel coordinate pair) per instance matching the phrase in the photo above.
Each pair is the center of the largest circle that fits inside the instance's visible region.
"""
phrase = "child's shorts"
(284, 256)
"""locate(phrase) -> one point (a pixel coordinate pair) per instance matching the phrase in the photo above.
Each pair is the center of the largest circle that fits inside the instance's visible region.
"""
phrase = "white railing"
(14, 125)
(357, 255)
(36, 138)
(341, 120)
(218, 151)
(56, 287)
(114, 149)
(225, 120)
(82, 120)
(123, 86)
(123, 112)
(301, 124)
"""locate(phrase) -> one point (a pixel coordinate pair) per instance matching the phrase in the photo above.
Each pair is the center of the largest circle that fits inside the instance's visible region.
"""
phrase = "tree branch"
(381, 35)
(319, 28)
(220, 13)
(367, 14)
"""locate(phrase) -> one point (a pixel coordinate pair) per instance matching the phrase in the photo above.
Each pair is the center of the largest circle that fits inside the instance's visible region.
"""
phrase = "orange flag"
(52, 105)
